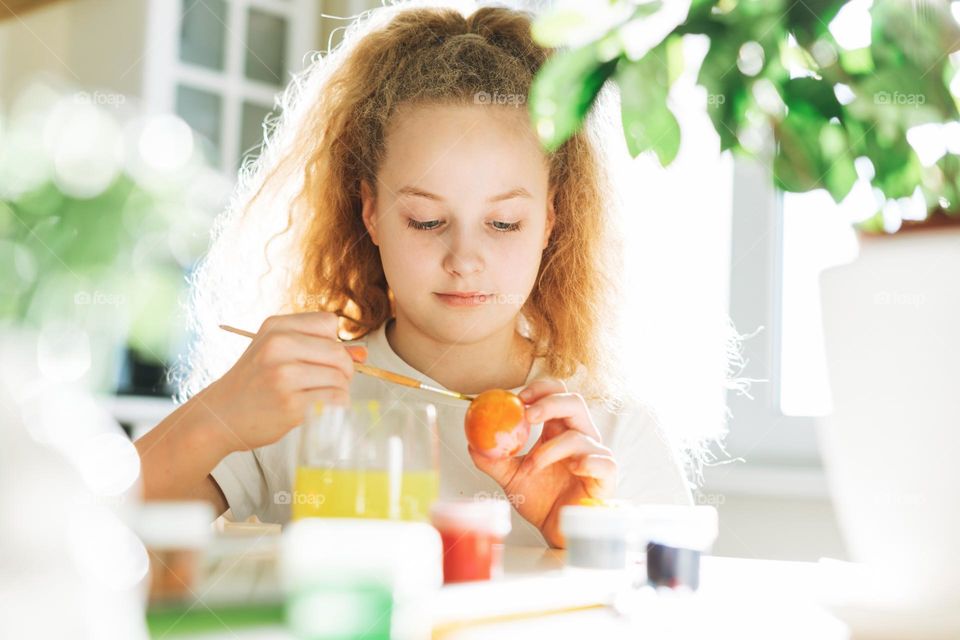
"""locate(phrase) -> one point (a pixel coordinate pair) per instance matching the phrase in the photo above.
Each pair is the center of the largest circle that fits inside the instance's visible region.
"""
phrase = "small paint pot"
(176, 535)
(359, 578)
(675, 536)
(597, 537)
(672, 567)
(472, 532)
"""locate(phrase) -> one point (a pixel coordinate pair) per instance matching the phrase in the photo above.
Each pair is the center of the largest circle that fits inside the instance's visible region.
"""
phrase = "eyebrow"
(518, 192)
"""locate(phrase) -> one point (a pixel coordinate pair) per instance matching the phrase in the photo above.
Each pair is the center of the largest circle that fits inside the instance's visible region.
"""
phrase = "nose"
(463, 256)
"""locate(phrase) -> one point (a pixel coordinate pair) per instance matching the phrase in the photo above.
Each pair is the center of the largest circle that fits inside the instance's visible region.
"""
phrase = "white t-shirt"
(257, 482)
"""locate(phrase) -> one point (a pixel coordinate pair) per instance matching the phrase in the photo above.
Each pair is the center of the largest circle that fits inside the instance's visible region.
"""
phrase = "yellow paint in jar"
(352, 493)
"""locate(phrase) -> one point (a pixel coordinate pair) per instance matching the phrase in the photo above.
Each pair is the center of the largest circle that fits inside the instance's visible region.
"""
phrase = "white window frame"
(759, 428)
(164, 70)
(779, 452)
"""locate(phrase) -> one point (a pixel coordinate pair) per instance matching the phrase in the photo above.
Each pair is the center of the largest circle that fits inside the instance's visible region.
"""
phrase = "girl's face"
(463, 206)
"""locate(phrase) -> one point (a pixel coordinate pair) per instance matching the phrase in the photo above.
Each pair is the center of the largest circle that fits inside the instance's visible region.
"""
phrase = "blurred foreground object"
(102, 211)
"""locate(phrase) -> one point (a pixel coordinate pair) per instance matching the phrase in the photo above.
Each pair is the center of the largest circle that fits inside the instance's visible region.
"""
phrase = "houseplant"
(773, 68)
(102, 211)
(831, 95)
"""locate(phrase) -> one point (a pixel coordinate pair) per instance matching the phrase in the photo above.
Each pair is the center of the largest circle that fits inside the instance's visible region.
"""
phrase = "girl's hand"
(293, 361)
(567, 463)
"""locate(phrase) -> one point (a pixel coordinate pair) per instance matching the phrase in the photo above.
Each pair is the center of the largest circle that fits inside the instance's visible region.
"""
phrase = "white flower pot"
(891, 448)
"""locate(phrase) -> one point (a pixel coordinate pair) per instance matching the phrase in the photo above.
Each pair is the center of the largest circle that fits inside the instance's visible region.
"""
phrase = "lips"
(462, 294)
(463, 298)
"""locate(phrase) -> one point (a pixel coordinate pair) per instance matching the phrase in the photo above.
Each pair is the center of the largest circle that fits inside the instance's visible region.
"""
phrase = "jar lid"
(679, 526)
(589, 521)
(174, 524)
(483, 515)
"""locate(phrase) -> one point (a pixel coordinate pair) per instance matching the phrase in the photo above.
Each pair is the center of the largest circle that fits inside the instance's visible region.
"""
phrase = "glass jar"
(472, 532)
(176, 535)
(369, 460)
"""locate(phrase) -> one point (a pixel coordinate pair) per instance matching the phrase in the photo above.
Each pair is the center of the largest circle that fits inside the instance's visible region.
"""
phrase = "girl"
(423, 220)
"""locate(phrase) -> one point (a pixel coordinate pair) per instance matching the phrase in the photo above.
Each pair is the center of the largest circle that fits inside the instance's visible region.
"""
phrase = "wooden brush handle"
(383, 374)
(376, 372)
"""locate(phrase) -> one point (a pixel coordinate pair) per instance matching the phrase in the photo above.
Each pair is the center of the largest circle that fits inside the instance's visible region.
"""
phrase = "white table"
(738, 598)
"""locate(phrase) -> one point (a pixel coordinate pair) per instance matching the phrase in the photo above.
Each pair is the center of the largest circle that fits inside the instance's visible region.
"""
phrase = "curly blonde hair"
(330, 137)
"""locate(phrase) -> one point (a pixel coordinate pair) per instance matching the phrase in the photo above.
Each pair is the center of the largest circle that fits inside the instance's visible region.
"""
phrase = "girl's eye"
(506, 226)
(429, 225)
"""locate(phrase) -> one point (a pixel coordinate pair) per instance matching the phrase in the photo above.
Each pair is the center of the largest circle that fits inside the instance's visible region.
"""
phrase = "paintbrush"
(376, 372)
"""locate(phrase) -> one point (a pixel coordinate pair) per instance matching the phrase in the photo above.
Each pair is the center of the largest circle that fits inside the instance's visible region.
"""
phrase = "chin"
(455, 328)
(460, 332)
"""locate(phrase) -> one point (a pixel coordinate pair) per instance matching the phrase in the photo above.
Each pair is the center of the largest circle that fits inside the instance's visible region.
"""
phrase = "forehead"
(442, 146)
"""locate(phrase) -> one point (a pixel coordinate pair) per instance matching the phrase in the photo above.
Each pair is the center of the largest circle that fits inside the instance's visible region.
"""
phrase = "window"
(781, 243)
(218, 64)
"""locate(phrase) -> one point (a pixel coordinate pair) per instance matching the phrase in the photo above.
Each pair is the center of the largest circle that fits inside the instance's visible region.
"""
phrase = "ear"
(369, 212)
(551, 217)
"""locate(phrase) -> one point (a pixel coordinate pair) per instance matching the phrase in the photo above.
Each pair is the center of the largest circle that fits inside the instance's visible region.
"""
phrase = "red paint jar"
(473, 532)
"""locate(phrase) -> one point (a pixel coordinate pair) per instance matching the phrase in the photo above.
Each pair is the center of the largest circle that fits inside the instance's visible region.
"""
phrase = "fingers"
(567, 445)
(278, 347)
(316, 323)
(540, 388)
(571, 408)
(595, 466)
(300, 376)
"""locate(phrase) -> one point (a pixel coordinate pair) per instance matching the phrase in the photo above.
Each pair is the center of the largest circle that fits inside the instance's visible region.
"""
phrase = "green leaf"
(565, 89)
(857, 61)
(797, 165)
(554, 28)
(569, 24)
(922, 35)
(841, 173)
(813, 153)
(873, 224)
(648, 123)
(676, 61)
(898, 169)
(808, 20)
(812, 94)
(727, 96)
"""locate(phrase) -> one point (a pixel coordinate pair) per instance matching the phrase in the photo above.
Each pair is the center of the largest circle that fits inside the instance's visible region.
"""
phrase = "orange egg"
(496, 424)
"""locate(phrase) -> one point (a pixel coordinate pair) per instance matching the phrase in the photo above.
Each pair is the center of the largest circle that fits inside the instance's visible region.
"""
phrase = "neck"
(500, 361)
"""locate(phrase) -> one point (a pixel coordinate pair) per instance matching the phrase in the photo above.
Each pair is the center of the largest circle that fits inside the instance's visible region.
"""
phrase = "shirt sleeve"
(648, 465)
(241, 480)
(260, 482)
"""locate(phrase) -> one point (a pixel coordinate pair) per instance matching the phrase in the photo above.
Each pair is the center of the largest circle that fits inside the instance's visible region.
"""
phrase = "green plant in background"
(831, 82)
(102, 211)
